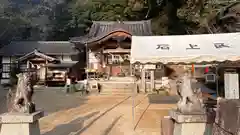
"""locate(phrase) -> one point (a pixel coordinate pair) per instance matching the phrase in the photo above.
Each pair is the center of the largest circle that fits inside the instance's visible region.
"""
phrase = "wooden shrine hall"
(108, 45)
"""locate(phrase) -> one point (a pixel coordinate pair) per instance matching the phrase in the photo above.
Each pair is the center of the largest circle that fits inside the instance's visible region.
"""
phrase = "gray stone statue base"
(189, 124)
(20, 123)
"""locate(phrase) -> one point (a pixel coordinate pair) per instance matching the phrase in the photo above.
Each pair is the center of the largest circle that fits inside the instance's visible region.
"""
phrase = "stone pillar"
(20, 123)
(167, 125)
(143, 80)
(187, 124)
(131, 72)
(152, 80)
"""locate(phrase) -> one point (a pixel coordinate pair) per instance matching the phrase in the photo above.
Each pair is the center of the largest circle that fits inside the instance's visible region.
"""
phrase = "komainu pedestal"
(20, 123)
(189, 124)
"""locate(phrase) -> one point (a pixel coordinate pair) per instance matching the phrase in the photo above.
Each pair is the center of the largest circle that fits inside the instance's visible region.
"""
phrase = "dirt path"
(59, 121)
(118, 121)
(107, 116)
(94, 118)
(150, 119)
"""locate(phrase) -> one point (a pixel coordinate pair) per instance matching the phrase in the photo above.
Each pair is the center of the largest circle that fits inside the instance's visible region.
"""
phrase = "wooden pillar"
(110, 71)
(46, 71)
(131, 72)
(152, 80)
(87, 60)
(143, 80)
(102, 60)
(28, 64)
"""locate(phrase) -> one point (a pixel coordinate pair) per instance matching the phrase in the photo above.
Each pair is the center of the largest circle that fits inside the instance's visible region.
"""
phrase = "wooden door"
(42, 73)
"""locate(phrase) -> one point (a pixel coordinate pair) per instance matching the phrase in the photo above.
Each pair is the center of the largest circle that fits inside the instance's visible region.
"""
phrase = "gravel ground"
(54, 99)
(73, 114)
(94, 117)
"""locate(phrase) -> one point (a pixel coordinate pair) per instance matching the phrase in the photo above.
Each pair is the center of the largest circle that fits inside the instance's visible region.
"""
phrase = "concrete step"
(120, 78)
(108, 91)
(116, 86)
(114, 89)
(116, 94)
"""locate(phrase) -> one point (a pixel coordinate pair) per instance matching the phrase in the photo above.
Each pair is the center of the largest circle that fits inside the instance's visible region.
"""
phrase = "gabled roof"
(47, 47)
(36, 53)
(100, 29)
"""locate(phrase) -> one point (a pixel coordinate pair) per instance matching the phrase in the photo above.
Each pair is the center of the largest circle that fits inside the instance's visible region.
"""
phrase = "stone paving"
(73, 114)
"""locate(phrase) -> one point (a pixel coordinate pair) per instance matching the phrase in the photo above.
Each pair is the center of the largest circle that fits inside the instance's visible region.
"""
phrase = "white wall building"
(61, 52)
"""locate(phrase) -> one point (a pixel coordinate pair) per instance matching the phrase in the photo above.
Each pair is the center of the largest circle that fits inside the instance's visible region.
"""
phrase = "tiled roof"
(100, 29)
(36, 53)
(46, 47)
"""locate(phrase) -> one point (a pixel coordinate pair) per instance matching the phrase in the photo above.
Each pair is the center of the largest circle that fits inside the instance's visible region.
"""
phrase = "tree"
(25, 19)
(61, 19)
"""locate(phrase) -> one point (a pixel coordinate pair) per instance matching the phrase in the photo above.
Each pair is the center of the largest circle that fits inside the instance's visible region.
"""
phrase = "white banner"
(186, 48)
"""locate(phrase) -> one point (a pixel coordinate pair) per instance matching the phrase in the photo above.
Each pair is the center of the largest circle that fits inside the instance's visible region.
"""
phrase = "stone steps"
(117, 85)
(116, 88)
(115, 92)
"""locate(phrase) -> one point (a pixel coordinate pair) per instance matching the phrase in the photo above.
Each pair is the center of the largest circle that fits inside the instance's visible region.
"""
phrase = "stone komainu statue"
(20, 96)
(227, 20)
(190, 101)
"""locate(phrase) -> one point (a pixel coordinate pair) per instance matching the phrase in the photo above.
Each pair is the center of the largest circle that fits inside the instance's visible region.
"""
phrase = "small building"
(108, 45)
(51, 60)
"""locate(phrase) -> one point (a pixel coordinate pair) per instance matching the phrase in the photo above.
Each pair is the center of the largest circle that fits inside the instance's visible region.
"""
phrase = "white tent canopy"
(186, 48)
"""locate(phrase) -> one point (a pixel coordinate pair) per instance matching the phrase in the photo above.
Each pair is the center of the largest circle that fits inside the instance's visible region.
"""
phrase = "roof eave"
(96, 39)
(37, 53)
(71, 53)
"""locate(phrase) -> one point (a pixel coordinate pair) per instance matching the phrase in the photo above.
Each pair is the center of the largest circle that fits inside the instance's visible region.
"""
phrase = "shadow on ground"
(160, 99)
(71, 127)
(108, 130)
(52, 100)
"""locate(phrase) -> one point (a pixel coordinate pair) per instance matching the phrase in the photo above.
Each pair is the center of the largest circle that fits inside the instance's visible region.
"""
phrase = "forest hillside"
(61, 19)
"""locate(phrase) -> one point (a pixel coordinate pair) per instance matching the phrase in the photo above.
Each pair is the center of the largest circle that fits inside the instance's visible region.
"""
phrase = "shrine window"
(5, 75)
(5, 70)
(109, 59)
(6, 67)
(114, 59)
(23, 67)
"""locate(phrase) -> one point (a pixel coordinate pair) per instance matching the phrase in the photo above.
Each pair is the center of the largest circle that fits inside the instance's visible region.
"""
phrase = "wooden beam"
(46, 71)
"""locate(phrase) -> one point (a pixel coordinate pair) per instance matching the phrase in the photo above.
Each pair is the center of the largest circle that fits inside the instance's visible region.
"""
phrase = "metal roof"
(46, 47)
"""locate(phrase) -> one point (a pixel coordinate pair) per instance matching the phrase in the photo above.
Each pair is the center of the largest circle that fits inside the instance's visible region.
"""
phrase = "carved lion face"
(25, 78)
